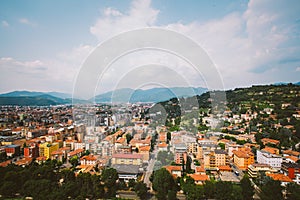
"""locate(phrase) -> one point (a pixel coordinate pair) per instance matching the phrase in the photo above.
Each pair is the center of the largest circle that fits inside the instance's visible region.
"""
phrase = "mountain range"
(31, 98)
(27, 98)
(150, 95)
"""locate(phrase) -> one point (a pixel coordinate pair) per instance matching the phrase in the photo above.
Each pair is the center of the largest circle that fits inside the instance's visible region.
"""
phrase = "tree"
(223, 190)
(187, 184)
(141, 190)
(222, 145)
(87, 152)
(196, 193)
(109, 176)
(162, 183)
(247, 188)
(188, 164)
(237, 192)
(74, 161)
(131, 183)
(292, 191)
(168, 136)
(271, 190)
(38, 189)
(7, 189)
(128, 138)
(209, 189)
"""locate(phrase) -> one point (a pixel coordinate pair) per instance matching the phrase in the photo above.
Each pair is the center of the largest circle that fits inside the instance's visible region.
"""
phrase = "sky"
(43, 44)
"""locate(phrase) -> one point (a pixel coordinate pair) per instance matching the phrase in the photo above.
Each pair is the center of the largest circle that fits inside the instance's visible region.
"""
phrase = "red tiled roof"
(41, 158)
(280, 177)
(225, 168)
(171, 168)
(271, 150)
(58, 152)
(144, 148)
(199, 169)
(199, 177)
(242, 154)
(77, 151)
(5, 163)
(24, 161)
(290, 152)
(293, 158)
(89, 157)
(162, 145)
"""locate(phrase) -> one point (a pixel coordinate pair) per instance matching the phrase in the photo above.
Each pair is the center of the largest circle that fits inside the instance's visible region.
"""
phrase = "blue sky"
(43, 43)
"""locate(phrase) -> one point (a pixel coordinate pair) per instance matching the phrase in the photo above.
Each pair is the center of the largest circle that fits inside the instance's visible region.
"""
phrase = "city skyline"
(45, 43)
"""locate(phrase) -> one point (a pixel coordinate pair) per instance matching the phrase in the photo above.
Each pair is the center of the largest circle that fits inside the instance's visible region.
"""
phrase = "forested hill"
(240, 100)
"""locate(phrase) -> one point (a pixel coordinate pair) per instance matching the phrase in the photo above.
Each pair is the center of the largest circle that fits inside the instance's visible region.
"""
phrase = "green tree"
(38, 189)
(7, 189)
(196, 193)
(222, 145)
(162, 183)
(237, 192)
(187, 184)
(74, 161)
(209, 189)
(168, 136)
(292, 191)
(128, 138)
(271, 190)
(188, 164)
(141, 190)
(109, 176)
(247, 188)
(223, 190)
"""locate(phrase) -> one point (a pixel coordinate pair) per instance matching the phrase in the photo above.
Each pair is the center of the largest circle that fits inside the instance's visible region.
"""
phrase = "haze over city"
(43, 44)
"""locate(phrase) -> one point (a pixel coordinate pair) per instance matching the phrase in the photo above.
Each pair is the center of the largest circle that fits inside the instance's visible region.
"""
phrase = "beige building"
(256, 168)
(127, 159)
(215, 158)
(145, 152)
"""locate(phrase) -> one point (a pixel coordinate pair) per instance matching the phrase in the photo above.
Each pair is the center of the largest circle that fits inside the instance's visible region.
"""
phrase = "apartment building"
(127, 159)
(243, 158)
(215, 158)
(265, 157)
(47, 148)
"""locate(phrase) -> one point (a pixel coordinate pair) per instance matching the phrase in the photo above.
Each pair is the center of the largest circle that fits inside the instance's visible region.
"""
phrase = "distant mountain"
(27, 98)
(42, 100)
(150, 95)
(60, 95)
(33, 94)
(284, 83)
(21, 94)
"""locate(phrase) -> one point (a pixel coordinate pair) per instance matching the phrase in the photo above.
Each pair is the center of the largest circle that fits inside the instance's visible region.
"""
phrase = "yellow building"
(127, 159)
(145, 151)
(243, 158)
(192, 147)
(47, 148)
(215, 158)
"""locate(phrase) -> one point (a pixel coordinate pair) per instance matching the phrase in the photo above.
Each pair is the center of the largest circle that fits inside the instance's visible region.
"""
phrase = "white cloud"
(4, 23)
(248, 47)
(31, 66)
(27, 22)
(112, 22)
(245, 46)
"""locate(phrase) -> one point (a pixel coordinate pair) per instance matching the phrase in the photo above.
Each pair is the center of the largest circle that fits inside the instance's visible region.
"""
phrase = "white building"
(264, 157)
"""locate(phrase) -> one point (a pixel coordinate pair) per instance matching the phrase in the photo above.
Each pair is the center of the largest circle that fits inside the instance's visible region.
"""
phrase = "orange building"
(243, 158)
